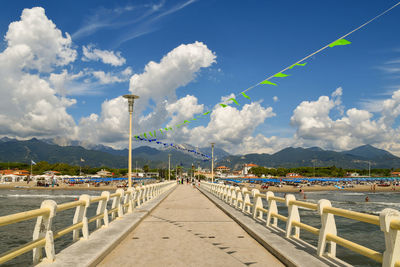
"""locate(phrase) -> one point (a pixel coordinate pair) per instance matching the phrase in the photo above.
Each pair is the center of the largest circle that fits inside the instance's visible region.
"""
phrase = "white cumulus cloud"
(29, 106)
(106, 56)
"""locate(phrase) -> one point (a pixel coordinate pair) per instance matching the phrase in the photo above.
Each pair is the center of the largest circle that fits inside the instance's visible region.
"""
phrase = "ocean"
(13, 201)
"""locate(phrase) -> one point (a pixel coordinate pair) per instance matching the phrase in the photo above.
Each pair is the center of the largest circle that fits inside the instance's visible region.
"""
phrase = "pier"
(207, 225)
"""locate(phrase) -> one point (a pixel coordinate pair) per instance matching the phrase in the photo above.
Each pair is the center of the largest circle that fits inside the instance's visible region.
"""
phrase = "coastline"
(31, 186)
(283, 189)
(314, 188)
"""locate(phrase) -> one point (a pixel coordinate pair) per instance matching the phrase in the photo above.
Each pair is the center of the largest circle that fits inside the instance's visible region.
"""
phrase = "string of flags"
(204, 156)
(162, 131)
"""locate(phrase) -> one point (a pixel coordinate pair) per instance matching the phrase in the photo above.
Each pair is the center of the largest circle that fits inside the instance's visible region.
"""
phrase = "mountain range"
(358, 158)
(71, 152)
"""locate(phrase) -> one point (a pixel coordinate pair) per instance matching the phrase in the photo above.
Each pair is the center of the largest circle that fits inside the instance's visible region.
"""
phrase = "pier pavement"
(187, 229)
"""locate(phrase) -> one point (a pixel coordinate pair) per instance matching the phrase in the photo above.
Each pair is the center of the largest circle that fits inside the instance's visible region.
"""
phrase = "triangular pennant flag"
(281, 75)
(246, 96)
(161, 131)
(151, 134)
(234, 100)
(186, 121)
(137, 137)
(145, 136)
(206, 113)
(340, 42)
(267, 82)
(168, 128)
(223, 105)
(298, 64)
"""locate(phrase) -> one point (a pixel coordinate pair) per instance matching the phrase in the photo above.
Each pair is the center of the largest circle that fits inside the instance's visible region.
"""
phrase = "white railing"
(123, 202)
(388, 221)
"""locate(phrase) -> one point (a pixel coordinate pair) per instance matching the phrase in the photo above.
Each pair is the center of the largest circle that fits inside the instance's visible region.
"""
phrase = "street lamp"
(131, 100)
(169, 167)
(212, 162)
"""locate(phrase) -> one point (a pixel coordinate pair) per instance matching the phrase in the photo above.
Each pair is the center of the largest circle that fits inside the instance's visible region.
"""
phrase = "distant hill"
(356, 158)
(12, 150)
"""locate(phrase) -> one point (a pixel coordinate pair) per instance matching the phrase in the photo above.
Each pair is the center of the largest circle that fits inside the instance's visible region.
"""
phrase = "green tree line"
(318, 171)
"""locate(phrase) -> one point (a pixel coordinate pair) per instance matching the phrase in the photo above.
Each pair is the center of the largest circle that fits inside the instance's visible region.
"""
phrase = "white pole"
(212, 162)
(169, 167)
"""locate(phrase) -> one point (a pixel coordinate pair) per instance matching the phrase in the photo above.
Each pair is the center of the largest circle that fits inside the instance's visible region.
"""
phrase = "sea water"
(15, 235)
(362, 233)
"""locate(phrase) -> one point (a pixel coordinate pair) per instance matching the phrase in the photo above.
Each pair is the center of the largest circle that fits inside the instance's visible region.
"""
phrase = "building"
(103, 173)
(247, 167)
(395, 174)
(222, 169)
(15, 172)
(293, 175)
(51, 173)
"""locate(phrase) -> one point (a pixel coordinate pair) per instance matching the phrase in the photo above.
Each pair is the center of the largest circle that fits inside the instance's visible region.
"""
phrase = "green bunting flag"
(223, 105)
(206, 113)
(340, 42)
(137, 137)
(298, 64)
(168, 128)
(246, 96)
(185, 121)
(153, 134)
(234, 100)
(281, 75)
(161, 131)
(267, 82)
(145, 136)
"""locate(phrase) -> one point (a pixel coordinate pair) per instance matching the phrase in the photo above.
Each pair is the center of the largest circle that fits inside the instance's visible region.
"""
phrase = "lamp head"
(131, 99)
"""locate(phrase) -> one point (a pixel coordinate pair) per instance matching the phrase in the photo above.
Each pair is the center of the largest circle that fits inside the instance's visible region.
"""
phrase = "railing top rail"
(358, 216)
(23, 216)
(375, 255)
(97, 199)
(70, 205)
(261, 195)
(279, 199)
(395, 224)
(115, 195)
(304, 204)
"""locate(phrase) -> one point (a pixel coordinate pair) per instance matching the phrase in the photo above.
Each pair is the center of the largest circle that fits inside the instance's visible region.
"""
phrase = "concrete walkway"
(186, 229)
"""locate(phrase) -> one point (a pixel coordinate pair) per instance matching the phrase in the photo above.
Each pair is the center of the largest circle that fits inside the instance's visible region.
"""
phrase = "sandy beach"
(356, 188)
(32, 186)
(283, 189)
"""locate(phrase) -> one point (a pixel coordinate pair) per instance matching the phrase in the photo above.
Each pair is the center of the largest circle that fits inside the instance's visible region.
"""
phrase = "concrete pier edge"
(102, 241)
(289, 253)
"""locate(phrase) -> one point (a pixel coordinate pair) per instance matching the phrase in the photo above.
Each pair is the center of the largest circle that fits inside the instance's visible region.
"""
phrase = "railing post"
(233, 196)
(293, 215)
(117, 203)
(328, 226)
(80, 214)
(129, 199)
(246, 201)
(239, 196)
(392, 237)
(229, 194)
(142, 191)
(272, 208)
(102, 209)
(43, 229)
(257, 204)
(139, 191)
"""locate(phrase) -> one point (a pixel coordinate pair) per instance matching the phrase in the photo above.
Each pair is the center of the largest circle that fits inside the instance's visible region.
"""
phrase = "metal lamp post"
(212, 162)
(169, 167)
(131, 100)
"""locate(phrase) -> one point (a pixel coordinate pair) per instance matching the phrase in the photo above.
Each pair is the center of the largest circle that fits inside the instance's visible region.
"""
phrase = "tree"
(146, 168)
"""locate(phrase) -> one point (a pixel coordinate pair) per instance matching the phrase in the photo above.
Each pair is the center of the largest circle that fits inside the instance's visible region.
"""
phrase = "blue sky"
(250, 40)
